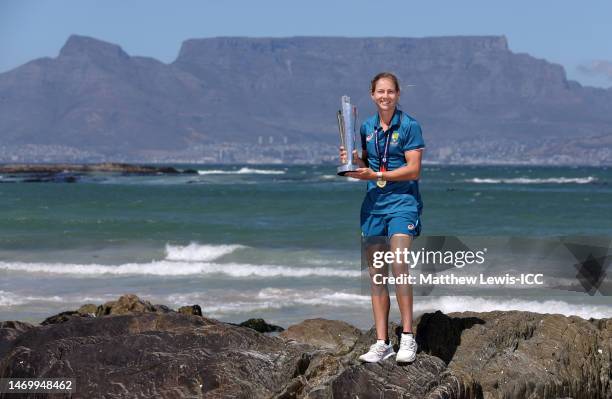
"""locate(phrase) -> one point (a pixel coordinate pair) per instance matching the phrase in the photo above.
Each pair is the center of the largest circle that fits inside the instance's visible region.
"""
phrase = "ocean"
(271, 241)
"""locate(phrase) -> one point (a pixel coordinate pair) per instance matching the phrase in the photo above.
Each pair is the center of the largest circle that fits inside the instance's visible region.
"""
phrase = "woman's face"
(385, 96)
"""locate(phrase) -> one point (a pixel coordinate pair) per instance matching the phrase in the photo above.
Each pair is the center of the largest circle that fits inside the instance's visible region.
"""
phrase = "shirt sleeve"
(413, 139)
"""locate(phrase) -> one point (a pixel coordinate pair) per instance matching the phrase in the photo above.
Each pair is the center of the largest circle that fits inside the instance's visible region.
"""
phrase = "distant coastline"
(91, 167)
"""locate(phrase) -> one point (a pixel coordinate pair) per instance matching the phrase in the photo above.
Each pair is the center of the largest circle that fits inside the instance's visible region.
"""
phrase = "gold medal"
(381, 183)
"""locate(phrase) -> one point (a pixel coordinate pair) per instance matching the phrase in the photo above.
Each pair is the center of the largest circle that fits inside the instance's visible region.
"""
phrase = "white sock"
(380, 341)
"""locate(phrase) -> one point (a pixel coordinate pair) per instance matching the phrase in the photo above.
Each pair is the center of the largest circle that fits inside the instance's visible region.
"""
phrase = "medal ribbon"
(382, 160)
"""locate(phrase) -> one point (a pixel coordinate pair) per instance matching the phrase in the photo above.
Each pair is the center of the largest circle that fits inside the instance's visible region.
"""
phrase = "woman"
(392, 147)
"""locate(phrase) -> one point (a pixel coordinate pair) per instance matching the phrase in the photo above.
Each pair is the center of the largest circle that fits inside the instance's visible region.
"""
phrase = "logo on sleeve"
(369, 137)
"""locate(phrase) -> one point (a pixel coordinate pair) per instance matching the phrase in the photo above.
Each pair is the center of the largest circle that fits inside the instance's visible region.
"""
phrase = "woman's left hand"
(362, 174)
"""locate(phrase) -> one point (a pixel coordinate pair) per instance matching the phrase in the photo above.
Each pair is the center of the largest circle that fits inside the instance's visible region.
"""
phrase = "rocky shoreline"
(132, 348)
(69, 173)
(89, 168)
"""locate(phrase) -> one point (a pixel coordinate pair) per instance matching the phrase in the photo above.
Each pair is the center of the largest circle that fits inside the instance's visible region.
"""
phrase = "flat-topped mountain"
(474, 97)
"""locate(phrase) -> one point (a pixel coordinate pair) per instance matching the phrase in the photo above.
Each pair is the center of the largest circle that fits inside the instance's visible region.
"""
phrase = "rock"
(331, 376)
(164, 309)
(440, 335)
(336, 336)
(390, 380)
(51, 178)
(9, 331)
(521, 354)
(322, 369)
(195, 310)
(168, 355)
(167, 170)
(63, 172)
(125, 304)
(129, 303)
(473, 355)
(261, 326)
(60, 317)
(88, 309)
(144, 350)
(335, 372)
(72, 173)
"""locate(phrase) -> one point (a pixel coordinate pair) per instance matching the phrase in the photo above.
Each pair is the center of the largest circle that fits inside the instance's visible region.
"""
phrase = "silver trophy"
(347, 122)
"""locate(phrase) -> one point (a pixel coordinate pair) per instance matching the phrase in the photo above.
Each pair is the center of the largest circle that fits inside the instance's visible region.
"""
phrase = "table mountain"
(473, 96)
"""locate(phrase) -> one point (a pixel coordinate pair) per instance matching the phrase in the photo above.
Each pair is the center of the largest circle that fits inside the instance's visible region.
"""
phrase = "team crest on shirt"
(410, 226)
(369, 137)
(394, 137)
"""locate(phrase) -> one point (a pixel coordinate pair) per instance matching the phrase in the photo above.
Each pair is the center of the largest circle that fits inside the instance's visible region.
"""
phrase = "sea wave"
(13, 299)
(8, 299)
(282, 298)
(198, 252)
(220, 303)
(448, 304)
(526, 180)
(175, 268)
(242, 171)
(268, 298)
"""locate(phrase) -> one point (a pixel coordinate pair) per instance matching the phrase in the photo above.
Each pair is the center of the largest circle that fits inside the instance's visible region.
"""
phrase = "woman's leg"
(403, 292)
(379, 293)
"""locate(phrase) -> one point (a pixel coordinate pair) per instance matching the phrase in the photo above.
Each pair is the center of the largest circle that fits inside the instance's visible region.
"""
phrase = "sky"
(571, 33)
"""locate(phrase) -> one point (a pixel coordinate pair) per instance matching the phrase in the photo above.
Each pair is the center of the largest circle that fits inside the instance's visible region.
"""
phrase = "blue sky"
(573, 34)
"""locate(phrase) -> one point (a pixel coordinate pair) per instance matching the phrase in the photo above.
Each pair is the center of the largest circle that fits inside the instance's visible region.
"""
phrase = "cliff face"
(95, 96)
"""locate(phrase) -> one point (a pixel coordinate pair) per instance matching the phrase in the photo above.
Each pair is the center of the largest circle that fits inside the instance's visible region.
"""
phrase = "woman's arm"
(411, 171)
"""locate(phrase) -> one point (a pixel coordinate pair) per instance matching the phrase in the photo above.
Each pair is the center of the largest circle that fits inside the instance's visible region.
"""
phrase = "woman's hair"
(387, 75)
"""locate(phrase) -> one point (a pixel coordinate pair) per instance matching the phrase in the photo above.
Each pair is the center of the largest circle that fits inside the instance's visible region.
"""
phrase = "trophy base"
(348, 167)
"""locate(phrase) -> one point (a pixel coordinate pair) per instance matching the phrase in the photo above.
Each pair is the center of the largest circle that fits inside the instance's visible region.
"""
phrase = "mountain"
(226, 97)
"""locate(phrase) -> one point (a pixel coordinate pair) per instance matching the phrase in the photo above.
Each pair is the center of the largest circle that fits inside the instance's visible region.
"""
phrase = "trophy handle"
(341, 129)
(354, 126)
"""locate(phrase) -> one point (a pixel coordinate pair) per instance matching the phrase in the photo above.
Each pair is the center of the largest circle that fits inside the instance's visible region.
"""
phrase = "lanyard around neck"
(382, 160)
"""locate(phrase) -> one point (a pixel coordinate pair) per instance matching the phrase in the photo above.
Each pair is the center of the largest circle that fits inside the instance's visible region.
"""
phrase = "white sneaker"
(379, 351)
(407, 349)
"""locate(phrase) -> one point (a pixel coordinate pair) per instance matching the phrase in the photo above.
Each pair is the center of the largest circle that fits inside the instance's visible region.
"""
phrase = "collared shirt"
(405, 135)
